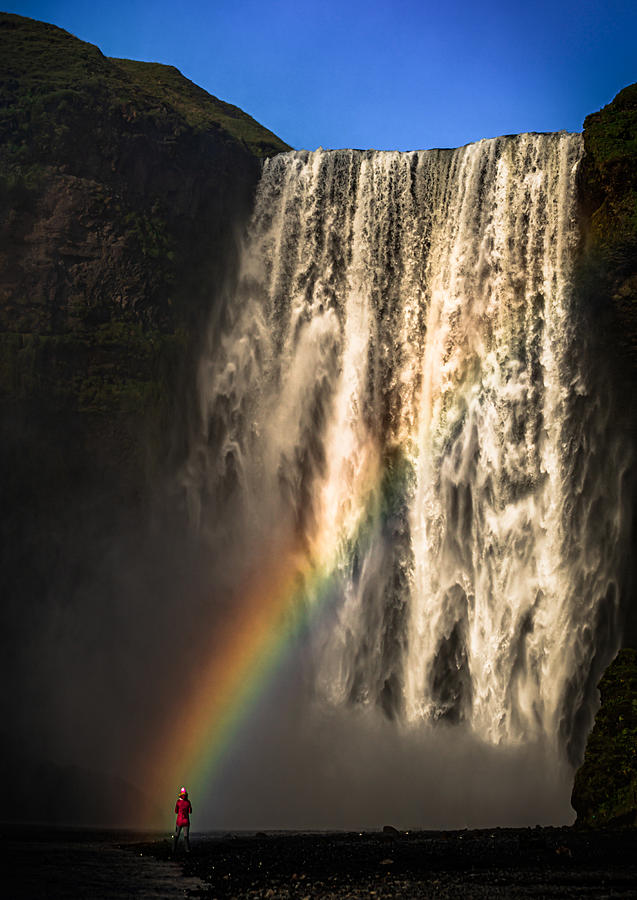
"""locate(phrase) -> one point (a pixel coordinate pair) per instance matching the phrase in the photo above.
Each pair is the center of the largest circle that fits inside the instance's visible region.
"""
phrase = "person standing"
(183, 808)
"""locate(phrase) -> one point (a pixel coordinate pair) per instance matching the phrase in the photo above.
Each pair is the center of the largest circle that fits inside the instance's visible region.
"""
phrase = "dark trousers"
(186, 829)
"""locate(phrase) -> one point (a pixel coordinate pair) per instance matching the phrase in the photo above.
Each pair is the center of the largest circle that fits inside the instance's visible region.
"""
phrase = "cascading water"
(400, 387)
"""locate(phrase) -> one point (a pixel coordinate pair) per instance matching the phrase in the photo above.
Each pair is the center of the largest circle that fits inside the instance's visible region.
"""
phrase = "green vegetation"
(115, 368)
(200, 110)
(134, 179)
(55, 84)
(605, 789)
(50, 80)
(611, 166)
(608, 188)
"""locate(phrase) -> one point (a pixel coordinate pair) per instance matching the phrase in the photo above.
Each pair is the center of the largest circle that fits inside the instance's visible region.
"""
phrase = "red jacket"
(183, 809)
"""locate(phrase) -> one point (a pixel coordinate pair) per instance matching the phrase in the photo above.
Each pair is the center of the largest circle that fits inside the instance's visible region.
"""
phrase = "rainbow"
(242, 661)
(246, 654)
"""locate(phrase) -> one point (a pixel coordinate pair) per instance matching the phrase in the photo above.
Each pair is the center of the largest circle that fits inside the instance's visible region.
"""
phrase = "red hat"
(183, 791)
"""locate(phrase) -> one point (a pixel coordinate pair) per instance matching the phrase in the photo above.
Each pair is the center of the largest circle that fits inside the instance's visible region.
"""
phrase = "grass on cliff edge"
(610, 138)
(44, 66)
(199, 108)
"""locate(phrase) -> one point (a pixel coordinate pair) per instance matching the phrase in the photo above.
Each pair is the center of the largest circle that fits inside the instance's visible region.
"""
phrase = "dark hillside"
(608, 191)
(123, 189)
(605, 785)
(122, 186)
(605, 789)
(607, 271)
(200, 110)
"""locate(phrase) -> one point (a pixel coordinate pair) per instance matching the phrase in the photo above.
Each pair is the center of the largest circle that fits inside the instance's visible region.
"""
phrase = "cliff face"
(606, 277)
(123, 189)
(608, 191)
(605, 789)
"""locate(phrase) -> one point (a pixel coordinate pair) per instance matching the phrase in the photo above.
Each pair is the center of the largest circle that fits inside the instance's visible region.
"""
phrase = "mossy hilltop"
(122, 189)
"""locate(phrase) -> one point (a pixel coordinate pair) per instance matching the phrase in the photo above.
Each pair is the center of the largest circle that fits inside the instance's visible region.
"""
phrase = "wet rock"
(605, 787)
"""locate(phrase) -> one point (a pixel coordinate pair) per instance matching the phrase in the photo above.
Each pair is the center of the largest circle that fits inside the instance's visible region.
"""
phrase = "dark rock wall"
(608, 189)
(605, 789)
(124, 189)
(122, 192)
(607, 281)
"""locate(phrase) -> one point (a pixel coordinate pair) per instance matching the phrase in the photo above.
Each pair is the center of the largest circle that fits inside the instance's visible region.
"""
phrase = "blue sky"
(389, 75)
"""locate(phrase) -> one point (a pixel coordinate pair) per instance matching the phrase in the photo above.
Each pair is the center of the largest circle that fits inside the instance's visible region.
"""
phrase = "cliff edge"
(608, 194)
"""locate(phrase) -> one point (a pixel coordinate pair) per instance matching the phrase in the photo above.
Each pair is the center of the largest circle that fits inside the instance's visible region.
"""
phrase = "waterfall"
(400, 387)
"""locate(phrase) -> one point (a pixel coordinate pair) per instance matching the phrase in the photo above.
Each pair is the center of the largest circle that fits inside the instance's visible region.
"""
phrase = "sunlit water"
(401, 384)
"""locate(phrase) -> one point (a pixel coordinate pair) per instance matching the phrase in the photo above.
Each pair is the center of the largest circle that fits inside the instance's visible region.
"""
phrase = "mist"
(106, 665)
(300, 765)
(108, 610)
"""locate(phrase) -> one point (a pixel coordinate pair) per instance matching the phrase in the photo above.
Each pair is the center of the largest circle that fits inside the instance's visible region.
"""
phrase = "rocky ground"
(41, 863)
(511, 863)
(48, 863)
